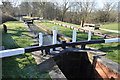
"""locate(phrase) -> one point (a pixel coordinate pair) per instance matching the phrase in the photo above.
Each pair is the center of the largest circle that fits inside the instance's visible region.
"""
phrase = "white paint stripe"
(11, 52)
(112, 40)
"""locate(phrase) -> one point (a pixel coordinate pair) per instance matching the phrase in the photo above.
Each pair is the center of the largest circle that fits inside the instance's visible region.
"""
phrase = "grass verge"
(111, 26)
(20, 66)
(115, 26)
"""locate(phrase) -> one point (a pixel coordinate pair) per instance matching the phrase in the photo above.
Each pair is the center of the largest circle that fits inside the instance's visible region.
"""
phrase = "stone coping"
(109, 63)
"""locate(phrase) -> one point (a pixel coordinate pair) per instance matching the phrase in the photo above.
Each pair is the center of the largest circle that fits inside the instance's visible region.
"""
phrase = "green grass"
(20, 66)
(101, 31)
(17, 35)
(111, 26)
(110, 48)
(114, 27)
(66, 31)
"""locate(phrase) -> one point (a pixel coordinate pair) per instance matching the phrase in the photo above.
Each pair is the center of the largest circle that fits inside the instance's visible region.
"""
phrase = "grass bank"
(17, 35)
(115, 26)
(20, 66)
(111, 26)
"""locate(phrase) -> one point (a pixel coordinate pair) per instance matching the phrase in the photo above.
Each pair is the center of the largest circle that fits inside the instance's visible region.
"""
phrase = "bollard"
(20, 19)
(54, 37)
(40, 39)
(54, 34)
(83, 46)
(89, 35)
(5, 28)
(74, 36)
(63, 44)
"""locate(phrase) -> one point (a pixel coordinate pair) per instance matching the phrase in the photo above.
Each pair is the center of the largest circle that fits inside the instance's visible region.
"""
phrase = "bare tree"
(64, 8)
(85, 8)
(25, 8)
(109, 8)
(7, 8)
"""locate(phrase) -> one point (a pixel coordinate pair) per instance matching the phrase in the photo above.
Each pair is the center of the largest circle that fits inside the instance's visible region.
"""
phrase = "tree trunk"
(62, 19)
(82, 23)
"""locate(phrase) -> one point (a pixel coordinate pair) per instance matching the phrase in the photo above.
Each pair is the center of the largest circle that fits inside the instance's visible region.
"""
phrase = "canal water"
(47, 39)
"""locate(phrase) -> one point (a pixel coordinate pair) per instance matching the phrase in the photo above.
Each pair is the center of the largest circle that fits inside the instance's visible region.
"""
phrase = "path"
(110, 30)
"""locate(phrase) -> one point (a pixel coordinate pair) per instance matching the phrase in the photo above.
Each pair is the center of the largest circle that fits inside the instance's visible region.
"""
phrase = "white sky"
(0, 2)
(99, 2)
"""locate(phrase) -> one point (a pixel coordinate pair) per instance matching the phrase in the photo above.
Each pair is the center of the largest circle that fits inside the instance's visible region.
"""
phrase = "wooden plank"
(36, 48)
(85, 42)
(31, 49)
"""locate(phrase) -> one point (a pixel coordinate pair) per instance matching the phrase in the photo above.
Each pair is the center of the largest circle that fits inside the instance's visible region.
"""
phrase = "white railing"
(11, 52)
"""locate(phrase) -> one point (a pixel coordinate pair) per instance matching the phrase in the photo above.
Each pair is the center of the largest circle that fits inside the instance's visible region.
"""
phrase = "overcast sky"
(99, 2)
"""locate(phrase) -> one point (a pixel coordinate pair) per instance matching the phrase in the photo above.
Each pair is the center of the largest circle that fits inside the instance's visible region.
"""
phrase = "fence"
(12, 52)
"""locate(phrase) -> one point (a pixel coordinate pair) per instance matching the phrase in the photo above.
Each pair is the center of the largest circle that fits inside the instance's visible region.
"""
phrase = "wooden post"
(89, 35)
(47, 51)
(32, 21)
(74, 36)
(40, 39)
(20, 19)
(82, 23)
(83, 46)
(63, 44)
(54, 35)
(105, 35)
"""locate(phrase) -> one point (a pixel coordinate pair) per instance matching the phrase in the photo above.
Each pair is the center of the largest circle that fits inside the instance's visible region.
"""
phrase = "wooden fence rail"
(12, 52)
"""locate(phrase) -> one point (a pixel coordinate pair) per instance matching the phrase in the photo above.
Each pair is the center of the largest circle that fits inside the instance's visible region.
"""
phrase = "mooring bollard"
(41, 42)
(40, 39)
(63, 44)
(89, 35)
(5, 28)
(74, 36)
(20, 19)
(54, 35)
